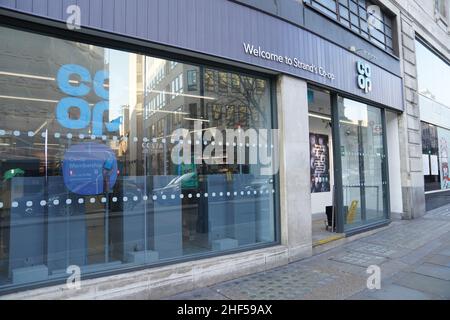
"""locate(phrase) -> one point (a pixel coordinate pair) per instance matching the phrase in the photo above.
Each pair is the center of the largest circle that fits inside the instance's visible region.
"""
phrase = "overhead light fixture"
(312, 115)
(32, 76)
(167, 111)
(29, 99)
(23, 75)
(32, 99)
(48, 144)
(183, 95)
(193, 119)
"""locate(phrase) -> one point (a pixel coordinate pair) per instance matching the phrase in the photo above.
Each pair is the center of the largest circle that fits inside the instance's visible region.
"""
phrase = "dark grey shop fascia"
(221, 28)
(305, 16)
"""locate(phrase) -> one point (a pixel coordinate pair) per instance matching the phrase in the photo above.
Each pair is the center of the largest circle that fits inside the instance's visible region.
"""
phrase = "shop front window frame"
(215, 67)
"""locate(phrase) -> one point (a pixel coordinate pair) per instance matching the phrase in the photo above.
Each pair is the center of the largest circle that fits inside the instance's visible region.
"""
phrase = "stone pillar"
(295, 194)
(410, 129)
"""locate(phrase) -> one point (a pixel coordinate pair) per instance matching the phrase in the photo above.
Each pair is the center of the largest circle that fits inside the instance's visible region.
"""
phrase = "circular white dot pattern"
(68, 201)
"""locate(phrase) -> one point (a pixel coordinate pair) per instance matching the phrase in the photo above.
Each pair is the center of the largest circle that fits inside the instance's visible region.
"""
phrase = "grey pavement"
(414, 258)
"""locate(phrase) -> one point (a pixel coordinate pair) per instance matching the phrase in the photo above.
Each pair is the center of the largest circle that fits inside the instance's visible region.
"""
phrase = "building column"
(395, 180)
(295, 193)
(410, 129)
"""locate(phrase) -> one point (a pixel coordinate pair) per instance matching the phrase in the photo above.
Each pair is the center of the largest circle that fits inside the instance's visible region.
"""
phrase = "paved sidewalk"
(414, 257)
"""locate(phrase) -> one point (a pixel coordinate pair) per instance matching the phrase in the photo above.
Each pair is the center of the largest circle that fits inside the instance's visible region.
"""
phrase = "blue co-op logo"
(78, 89)
(88, 168)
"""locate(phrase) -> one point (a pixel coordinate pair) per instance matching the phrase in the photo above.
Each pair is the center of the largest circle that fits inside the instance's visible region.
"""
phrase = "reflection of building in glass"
(179, 94)
(30, 91)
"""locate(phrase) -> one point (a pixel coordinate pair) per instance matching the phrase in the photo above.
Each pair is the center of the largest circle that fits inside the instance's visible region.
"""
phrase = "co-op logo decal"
(364, 76)
(81, 89)
(88, 168)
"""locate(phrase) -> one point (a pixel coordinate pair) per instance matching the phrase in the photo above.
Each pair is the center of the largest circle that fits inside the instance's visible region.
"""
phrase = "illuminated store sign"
(364, 76)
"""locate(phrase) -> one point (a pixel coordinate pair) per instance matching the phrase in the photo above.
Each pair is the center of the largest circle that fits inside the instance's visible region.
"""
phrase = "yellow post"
(352, 212)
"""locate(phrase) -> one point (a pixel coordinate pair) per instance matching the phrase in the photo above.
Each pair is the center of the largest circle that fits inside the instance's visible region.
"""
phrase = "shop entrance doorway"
(322, 182)
(348, 166)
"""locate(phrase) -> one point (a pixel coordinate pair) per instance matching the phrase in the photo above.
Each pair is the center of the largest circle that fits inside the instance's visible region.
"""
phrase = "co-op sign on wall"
(364, 71)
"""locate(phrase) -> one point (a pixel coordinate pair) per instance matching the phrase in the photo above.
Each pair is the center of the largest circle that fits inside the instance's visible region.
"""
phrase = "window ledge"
(439, 18)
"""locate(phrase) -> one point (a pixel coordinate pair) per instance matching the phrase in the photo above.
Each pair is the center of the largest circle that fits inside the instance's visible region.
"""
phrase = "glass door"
(363, 163)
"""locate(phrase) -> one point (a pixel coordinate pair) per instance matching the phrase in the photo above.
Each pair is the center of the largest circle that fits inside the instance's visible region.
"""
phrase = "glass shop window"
(102, 169)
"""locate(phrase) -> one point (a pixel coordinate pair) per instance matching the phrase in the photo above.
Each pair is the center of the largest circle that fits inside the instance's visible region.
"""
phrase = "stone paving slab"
(445, 252)
(339, 267)
(358, 258)
(393, 292)
(392, 267)
(418, 255)
(412, 235)
(423, 283)
(377, 250)
(443, 212)
(199, 294)
(290, 284)
(439, 260)
(435, 271)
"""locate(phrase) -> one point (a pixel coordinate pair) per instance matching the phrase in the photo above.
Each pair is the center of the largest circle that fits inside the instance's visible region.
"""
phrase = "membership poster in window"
(444, 144)
(319, 163)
